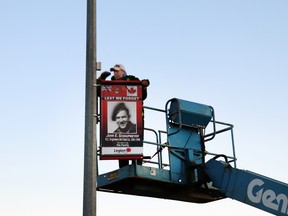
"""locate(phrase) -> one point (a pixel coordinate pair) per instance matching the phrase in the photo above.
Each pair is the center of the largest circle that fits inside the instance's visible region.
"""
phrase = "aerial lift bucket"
(184, 178)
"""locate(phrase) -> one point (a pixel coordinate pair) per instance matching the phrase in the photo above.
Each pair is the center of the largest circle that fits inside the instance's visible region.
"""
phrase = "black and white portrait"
(122, 117)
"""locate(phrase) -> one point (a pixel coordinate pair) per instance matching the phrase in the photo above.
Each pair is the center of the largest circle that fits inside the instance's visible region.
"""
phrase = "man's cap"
(118, 67)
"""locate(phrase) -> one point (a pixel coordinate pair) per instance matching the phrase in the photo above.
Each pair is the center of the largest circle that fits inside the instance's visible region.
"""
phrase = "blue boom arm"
(250, 188)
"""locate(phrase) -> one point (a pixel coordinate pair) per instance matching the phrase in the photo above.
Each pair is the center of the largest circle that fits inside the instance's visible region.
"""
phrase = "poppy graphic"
(128, 150)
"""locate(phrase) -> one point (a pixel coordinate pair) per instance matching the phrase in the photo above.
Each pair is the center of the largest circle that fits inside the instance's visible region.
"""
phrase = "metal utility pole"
(89, 193)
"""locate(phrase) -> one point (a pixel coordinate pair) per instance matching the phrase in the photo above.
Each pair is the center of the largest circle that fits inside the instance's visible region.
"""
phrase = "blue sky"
(231, 55)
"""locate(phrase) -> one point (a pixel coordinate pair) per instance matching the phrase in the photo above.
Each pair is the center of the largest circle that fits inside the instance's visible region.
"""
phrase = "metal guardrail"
(207, 138)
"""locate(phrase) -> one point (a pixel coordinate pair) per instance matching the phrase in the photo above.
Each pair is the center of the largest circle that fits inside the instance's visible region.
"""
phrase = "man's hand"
(145, 83)
(104, 75)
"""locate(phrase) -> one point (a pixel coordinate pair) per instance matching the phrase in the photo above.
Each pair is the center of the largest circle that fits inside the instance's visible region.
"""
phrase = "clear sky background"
(229, 54)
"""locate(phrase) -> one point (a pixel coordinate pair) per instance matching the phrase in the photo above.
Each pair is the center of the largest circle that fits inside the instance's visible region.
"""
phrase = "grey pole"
(89, 192)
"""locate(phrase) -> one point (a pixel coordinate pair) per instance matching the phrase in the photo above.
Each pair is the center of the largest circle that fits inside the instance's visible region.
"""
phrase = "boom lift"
(193, 174)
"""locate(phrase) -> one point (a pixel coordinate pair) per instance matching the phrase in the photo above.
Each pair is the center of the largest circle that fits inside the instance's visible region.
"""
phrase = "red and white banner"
(121, 128)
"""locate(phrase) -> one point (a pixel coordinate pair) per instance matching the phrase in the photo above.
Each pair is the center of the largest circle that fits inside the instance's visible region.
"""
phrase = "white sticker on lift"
(153, 171)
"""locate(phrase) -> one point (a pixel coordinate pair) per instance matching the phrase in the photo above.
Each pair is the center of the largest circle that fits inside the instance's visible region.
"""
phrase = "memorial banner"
(121, 128)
